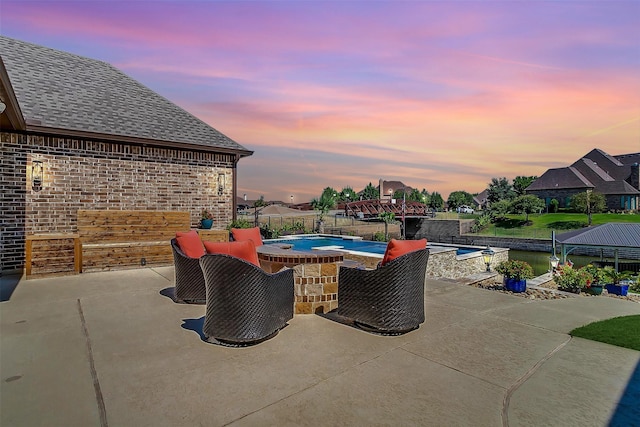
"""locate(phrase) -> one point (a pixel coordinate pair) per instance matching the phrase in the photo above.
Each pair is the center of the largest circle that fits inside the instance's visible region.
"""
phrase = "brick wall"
(82, 174)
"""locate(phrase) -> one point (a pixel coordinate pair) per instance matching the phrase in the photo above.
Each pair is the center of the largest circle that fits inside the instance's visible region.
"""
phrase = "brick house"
(616, 177)
(98, 139)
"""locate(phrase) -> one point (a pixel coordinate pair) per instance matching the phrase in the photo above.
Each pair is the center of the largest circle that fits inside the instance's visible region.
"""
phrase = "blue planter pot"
(514, 285)
(206, 223)
(617, 289)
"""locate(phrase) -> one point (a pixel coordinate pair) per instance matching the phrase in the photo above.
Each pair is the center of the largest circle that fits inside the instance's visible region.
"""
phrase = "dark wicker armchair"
(388, 300)
(245, 304)
(190, 286)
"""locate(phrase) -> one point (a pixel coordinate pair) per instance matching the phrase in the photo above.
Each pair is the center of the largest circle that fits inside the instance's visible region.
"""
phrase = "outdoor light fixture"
(221, 180)
(2, 107)
(487, 257)
(36, 173)
(292, 199)
(553, 260)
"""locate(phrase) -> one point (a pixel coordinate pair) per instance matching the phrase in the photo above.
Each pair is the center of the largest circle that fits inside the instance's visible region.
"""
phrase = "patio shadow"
(169, 293)
(628, 412)
(8, 284)
(195, 325)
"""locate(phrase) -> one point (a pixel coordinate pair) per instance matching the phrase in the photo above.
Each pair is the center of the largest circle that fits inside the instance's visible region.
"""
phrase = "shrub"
(515, 269)
(378, 236)
(482, 222)
(615, 276)
(597, 274)
(553, 206)
(569, 279)
(240, 223)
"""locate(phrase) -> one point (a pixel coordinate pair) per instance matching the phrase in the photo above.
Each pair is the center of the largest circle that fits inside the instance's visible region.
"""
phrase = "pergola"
(614, 236)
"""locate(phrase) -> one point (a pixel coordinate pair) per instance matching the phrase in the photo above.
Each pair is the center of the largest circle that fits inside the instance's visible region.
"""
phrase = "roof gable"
(560, 178)
(63, 93)
(590, 170)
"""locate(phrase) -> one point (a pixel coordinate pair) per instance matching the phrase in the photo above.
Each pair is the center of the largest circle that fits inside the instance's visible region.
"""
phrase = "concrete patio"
(113, 349)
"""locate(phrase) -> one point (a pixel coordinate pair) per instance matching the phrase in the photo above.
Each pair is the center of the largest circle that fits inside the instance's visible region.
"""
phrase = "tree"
(347, 195)
(459, 198)
(329, 193)
(522, 182)
(436, 202)
(426, 197)
(499, 209)
(527, 204)
(324, 204)
(370, 192)
(415, 196)
(500, 189)
(388, 218)
(588, 202)
(399, 194)
(260, 202)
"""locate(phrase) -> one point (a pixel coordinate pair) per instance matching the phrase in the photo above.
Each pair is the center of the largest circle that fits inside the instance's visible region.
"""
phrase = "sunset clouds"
(439, 95)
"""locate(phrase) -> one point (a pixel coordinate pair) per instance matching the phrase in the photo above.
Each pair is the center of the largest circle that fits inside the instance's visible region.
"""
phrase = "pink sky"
(440, 95)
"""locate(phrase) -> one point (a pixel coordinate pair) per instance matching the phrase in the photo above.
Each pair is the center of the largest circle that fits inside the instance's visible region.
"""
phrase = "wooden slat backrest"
(108, 226)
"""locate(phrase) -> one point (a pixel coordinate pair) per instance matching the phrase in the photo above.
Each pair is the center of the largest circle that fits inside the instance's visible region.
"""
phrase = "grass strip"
(621, 331)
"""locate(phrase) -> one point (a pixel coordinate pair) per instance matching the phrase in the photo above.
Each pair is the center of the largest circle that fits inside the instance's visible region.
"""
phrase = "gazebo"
(614, 236)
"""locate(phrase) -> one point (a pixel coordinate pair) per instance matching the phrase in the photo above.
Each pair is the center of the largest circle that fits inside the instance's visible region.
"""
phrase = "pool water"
(308, 243)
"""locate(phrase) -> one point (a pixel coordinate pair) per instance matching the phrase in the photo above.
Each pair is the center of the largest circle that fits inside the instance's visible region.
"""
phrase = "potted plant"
(598, 279)
(573, 280)
(206, 220)
(617, 284)
(515, 274)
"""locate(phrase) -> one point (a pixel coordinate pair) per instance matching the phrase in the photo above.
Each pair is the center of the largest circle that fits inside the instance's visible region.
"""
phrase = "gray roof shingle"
(597, 170)
(61, 91)
(560, 178)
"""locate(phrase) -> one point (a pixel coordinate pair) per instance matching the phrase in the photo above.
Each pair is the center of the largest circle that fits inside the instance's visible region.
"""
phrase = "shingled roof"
(596, 170)
(560, 178)
(66, 94)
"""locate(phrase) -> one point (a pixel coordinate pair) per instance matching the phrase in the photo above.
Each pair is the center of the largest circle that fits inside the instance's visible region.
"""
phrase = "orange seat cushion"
(396, 248)
(252, 234)
(244, 249)
(190, 243)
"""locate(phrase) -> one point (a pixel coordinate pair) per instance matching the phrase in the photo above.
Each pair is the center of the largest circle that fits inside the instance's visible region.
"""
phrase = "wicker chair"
(245, 304)
(388, 300)
(190, 286)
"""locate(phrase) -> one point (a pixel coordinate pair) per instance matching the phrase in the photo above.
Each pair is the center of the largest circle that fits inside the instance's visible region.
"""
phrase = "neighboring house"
(99, 140)
(481, 199)
(388, 188)
(616, 177)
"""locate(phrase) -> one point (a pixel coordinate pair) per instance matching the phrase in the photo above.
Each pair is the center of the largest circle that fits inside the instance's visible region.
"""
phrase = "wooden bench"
(113, 239)
(52, 254)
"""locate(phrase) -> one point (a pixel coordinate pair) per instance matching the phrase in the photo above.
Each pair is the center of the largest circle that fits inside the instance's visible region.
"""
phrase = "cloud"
(439, 95)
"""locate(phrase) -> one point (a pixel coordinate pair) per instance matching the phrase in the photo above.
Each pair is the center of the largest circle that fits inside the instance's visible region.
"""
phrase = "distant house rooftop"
(616, 177)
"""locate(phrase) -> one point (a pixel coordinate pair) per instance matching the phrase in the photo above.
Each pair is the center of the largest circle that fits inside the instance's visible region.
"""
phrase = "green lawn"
(540, 226)
(621, 331)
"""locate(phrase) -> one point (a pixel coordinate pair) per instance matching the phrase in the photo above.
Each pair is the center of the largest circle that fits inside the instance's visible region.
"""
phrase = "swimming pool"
(309, 242)
(349, 243)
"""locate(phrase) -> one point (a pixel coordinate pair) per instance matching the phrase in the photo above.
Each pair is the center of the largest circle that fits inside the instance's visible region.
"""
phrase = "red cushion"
(396, 248)
(245, 250)
(253, 234)
(190, 243)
